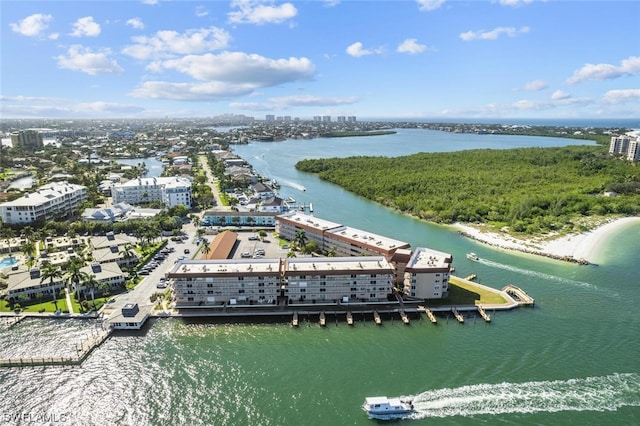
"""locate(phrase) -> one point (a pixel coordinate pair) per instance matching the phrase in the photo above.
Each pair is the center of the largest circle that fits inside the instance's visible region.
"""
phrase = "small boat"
(323, 320)
(349, 318)
(381, 407)
(473, 256)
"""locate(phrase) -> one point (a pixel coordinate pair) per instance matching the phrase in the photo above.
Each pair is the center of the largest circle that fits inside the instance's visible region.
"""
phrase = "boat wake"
(606, 393)
(292, 185)
(535, 273)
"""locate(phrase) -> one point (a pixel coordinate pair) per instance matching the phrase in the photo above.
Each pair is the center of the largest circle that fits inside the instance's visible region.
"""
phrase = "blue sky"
(431, 59)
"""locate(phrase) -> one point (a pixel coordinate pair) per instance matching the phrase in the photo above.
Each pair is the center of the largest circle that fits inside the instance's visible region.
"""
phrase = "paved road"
(147, 286)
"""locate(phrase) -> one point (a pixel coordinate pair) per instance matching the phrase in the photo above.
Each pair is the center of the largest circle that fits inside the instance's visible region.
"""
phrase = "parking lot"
(249, 246)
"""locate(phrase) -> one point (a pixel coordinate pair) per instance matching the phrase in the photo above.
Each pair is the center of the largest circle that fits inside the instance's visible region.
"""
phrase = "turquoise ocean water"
(572, 360)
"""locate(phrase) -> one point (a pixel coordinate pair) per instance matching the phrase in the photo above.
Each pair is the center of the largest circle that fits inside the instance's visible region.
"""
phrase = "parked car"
(245, 254)
(187, 251)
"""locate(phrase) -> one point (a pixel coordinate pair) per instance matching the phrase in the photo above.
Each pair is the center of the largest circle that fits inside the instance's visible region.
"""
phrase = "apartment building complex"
(331, 236)
(625, 146)
(56, 199)
(427, 274)
(294, 280)
(171, 191)
(27, 139)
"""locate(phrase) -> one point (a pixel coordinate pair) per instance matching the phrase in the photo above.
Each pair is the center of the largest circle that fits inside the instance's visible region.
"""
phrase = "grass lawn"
(462, 293)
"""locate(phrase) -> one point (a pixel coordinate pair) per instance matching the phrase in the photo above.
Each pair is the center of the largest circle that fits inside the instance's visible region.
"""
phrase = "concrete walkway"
(69, 305)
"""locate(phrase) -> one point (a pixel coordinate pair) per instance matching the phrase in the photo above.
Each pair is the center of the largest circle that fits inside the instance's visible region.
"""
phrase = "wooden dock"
(519, 295)
(294, 320)
(429, 314)
(83, 350)
(11, 321)
(458, 316)
(376, 318)
(405, 318)
(349, 318)
(323, 319)
(485, 316)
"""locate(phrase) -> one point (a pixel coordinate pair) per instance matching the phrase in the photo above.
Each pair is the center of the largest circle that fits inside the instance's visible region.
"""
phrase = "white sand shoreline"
(578, 248)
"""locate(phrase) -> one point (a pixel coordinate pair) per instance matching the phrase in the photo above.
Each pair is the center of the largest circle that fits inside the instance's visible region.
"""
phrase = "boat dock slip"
(405, 318)
(458, 316)
(376, 318)
(349, 318)
(522, 298)
(294, 321)
(483, 314)
(429, 314)
(323, 320)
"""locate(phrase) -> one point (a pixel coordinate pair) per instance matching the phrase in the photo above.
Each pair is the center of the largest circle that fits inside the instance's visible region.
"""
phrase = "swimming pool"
(8, 261)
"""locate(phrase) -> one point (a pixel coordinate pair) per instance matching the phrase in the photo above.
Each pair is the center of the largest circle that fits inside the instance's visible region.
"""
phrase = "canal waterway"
(571, 360)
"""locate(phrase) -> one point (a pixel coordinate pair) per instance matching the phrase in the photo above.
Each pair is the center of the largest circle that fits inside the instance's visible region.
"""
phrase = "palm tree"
(74, 275)
(196, 220)
(206, 248)
(51, 272)
(300, 239)
(91, 283)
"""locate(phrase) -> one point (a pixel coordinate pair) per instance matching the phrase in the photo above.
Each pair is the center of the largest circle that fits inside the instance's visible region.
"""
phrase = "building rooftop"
(424, 258)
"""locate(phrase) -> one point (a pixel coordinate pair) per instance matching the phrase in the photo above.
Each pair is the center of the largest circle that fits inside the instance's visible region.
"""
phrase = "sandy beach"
(578, 248)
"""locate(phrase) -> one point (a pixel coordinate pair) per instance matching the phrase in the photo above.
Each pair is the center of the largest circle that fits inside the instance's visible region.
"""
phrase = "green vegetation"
(530, 190)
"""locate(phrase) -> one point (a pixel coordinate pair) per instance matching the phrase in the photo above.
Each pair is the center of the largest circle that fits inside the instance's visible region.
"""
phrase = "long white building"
(171, 191)
(56, 199)
(202, 283)
(343, 240)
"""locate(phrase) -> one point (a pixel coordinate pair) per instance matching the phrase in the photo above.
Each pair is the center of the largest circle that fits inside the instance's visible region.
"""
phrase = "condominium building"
(27, 139)
(619, 145)
(199, 283)
(51, 201)
(330, 236)
(634, 150)
(171, 191)
(427, 274)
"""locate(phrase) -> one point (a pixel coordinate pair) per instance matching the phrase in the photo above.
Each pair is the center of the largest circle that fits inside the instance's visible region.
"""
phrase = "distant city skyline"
(424, 59)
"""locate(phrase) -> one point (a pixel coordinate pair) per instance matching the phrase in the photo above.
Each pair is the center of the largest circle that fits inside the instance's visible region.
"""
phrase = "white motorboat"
(473, 256)
(381, 407)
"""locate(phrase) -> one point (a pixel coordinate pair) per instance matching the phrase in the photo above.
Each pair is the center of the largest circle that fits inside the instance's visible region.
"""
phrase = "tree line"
(531, 190)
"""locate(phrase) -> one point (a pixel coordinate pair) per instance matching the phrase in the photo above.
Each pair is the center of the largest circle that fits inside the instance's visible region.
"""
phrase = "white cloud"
(535, 85)
(629, 66)
(357, 50)
(258, 12)
(309, 100)
(515, 3)
(209, 91)
(85, 27)
(226, 75)
(53, 36)
(201, 11)
(429, 5)
(151, 2)
(135, 23)
(618, 96)
(494, 33)
(560, 95)
(285, 102)
(33, 25)
(79, 58)
(29, 106)
(166, 43)
(239, 67)
(331, 3)
(411, 46)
